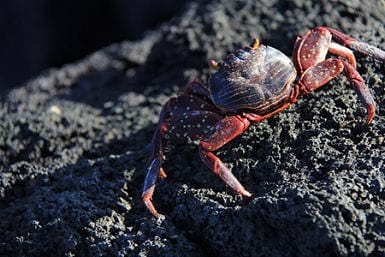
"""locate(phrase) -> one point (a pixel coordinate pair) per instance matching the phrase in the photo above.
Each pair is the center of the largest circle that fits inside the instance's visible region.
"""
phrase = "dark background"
(36, 35)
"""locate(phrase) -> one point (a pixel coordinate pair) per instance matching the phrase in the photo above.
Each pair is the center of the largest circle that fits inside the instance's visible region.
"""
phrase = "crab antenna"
(214, 64)
(255, 44)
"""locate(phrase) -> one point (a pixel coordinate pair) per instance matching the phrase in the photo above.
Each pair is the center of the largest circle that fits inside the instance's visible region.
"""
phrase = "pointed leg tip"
(151, 208)
(369, 120)
(371, 112)
(157, 215)
(147, 200)
(246, 193)
(162, 173)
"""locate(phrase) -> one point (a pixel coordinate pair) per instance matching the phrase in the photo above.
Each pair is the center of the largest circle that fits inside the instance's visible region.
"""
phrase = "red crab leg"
(362, 89)
(356, 45)
(226, 130)
(320, 74)
(153, 171)
(179, 106)
(175, 128)
(340, 50)
(192, 124)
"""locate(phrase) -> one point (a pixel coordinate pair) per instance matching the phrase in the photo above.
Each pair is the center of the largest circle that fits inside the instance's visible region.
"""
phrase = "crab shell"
(252, 79)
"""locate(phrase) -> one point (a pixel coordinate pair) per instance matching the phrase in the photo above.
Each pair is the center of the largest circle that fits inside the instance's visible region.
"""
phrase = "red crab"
(252, 84)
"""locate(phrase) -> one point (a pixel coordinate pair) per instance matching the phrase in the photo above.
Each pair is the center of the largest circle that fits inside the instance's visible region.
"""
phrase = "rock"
(75, 140)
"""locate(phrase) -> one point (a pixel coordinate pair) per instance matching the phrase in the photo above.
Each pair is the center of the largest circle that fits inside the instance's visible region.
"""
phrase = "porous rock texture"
(74, 143)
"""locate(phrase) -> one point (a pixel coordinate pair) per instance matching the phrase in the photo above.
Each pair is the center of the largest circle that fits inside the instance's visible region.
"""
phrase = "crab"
(251, 85)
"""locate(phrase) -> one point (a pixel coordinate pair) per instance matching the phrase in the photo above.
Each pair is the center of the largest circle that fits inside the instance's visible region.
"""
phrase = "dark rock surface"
(74, 142)
(42, 33)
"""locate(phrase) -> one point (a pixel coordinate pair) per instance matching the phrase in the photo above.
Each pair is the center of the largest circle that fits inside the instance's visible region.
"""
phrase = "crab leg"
(226, 130)
(175, 128)
(356, 45)
(362, 89)
(153, 171)
(340, 50)
(320, 74)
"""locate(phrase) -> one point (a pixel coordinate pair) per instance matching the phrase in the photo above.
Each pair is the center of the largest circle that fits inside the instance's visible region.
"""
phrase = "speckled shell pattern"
(252, 79)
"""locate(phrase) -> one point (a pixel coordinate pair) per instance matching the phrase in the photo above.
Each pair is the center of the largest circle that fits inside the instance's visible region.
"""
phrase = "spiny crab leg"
(226, 130)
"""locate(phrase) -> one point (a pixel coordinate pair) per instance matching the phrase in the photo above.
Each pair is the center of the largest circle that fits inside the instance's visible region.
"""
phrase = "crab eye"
(214, 64)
